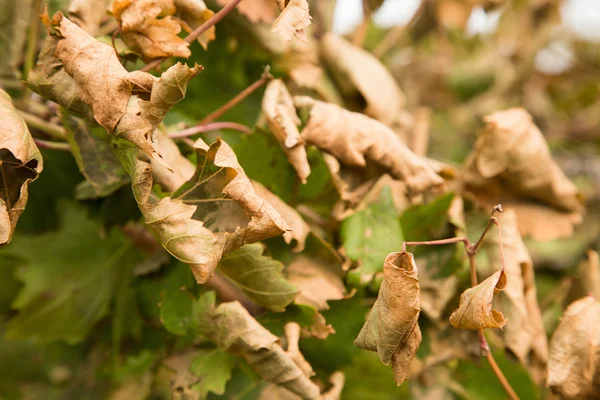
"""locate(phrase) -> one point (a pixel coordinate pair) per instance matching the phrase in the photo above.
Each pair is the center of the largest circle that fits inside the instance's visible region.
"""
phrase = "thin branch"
(437, 242)
(33, 37)
(198, 31)
(44, 144)
(493, 220)
(264, 78)
(503, 381)
(214, 126)
(34, 122)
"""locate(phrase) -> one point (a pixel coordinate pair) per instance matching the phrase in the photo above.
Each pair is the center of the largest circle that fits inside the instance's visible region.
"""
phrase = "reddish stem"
(45, 144)
(198, 31)
(214, 126)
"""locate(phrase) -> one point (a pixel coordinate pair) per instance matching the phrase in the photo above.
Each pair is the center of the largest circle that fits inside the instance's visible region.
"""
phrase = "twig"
(471, 250)
(34, 122)
(198, 31)
(264, 78)
(112, 39)
(32, 42)
(44, 144)
(214, 126)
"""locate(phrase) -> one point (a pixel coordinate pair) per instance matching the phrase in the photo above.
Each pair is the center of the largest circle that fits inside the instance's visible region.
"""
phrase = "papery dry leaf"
(525, 333)
(88, 14)
(357, 140)
(236, 331)
(319, 328)
(278, 108)
(358, 72)
(194, 13)
(256, 11)
(544, 223)
(147, 34)
(574, 362)
(511, 163)
(475, 309)
(587, 281)
(307, 75)
(392, 328)
(228, 213)
(292, 20)
(299, 229)
(316, 283)
(20, 164)
(274, 392)
(181, 169)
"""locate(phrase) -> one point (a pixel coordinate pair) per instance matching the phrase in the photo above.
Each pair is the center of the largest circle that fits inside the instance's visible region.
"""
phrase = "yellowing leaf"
(195, 13)
(359, 141)
(147, 34)
(292, 20)
(20, 164)
(392, 328)
(524, 334)
(475, 309)
(511, 163)
(574, 362)
(214, 213)
(278, 108)
(359, 73)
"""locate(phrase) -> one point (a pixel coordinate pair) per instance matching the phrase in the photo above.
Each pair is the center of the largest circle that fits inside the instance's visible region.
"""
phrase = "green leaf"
(426, 221)
(213, 367)
(176, 313)
(259, 277)
(93, 152)
(69, 280)
(369, 235)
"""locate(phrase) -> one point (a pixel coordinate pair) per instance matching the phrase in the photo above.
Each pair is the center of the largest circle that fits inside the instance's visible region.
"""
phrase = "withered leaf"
(357, 140)
(194, 13)
(475, 308)
(299, 229)
(511, 163)
(20, 164)
(317, 284)
(392, 328)
(129, 105)
(214, 213)
(264, 11)
(145, 32)
(574, 362)
(233, 329)
(588, 280)
(292, 20)
(259, 277)
(359, 73)
(88, 14)
(278, 108)
(525, 333)
(274, 392)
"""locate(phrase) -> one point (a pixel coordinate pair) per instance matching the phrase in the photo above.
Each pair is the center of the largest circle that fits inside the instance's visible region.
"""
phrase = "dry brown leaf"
(436, 293)
(181, 169)
(278, 108)
(147, 34)
(292, 20)
(256, 11)
(214, 213)
(358, 72)
(194, 13)
(319, 327)
(475, 308)
(511, 163)
(316, 283)
(274, 392)
(544, 223)
(392, 328)
(359, 141)
(299, 229)
(525, 332)
(236, 331)
(574, 362)
(88, 14)
(588, 279)
(20, 164)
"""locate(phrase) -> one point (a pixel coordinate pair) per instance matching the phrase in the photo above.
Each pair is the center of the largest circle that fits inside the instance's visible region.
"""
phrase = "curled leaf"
(359, 141)
(233, 329)
(360, 74)
(292, 20)
(20, 164)
(279, 110)
(392, 328)
(574, 362)
(475, 308)
(511, 163)
(214, 213)
(149, 28)
(525, 333)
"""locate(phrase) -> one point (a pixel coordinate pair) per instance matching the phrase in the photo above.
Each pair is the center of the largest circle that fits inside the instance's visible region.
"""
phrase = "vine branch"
(471, 250)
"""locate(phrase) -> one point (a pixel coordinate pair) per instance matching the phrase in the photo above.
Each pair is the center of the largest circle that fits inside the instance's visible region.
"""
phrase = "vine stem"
(214, 126)
(45, 144)
(57, 132)
(198, 31)
(471, 250)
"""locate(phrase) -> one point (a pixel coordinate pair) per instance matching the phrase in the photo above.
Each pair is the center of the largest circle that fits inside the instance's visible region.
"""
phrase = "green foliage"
(213, 368)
